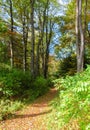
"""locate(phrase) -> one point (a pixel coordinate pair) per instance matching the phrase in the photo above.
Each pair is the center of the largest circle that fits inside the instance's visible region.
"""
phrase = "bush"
(73, 102)
(50, 83)
(7, 108)
(15, 82)
(40, 86)
(67, 66)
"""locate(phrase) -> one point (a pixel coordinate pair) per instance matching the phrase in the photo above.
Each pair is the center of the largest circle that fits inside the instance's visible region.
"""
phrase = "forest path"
(33, 116)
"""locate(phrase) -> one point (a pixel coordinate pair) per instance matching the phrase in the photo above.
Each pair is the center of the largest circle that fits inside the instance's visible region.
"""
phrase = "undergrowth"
(72, 106)
(18, 88)
(8, 108)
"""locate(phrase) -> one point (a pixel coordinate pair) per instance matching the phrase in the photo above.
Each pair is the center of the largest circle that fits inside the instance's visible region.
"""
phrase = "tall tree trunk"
(24, 44)
(85, 17)
(25, 37)
(38, 59)
(40, 46)
(46, 53)
(48, 40)
(79, 37)
(11, 37)
(32, 38)
(45, 22)
(77, 33)
(42, 43)
(85, 23)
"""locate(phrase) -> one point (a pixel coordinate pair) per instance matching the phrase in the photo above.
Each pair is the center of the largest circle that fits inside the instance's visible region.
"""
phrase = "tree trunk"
(45, 22)
(38, 60)
(40, 46)
(79, 37)
(11, 37)
(32, 37)
(48, 40)
(25, 37)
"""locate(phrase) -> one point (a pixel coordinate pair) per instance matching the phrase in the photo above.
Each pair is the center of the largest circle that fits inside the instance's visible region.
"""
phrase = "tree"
(32, 2)
(30, 26)
(48, 41)
(11, 37)
(80, 42)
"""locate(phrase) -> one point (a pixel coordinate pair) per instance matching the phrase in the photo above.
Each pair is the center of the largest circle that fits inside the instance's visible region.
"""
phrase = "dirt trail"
(32, 117)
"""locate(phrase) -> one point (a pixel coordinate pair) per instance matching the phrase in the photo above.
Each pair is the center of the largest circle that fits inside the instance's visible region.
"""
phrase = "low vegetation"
(18, 88)
(72, 105)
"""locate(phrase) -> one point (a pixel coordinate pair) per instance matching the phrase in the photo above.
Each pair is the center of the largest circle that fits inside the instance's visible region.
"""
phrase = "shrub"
(40, 86)
(50, 82)
(7, 108)
(26, 80)
(11, 83)
(15, 82)
(73, 102)
(67, 66)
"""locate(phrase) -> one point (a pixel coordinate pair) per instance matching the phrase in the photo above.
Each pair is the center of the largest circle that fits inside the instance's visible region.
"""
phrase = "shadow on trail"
(30, 115)
(40, 103)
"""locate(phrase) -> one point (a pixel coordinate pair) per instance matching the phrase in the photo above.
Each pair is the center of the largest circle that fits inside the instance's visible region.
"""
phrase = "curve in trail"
(32, 117)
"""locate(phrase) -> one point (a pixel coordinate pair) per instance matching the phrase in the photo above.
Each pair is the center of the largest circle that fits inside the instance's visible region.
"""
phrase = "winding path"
(32, 117)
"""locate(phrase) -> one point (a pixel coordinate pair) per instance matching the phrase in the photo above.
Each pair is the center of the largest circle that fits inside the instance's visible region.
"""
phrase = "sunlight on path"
(33, 117)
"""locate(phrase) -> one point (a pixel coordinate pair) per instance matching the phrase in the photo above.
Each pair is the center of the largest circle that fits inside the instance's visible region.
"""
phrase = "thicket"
(16, 86)
(72, 106)
(67, 66)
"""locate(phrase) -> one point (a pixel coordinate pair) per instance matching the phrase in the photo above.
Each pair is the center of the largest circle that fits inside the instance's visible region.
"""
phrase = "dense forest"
(45, 44)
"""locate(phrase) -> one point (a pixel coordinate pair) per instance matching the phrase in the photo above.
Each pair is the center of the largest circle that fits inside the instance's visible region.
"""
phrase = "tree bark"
(79, 37)
(11, 37)
(32, 38)
(25, 38)
(40, 46)
(48, 40)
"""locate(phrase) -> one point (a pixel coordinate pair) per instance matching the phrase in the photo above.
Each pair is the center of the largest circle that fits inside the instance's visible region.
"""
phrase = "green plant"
(73, 101)
(8, 107)
(18, 88)
(14, 82)
(67, 66)
(40, 86)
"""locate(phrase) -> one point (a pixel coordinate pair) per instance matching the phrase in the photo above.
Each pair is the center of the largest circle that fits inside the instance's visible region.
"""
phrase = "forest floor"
(33, 117)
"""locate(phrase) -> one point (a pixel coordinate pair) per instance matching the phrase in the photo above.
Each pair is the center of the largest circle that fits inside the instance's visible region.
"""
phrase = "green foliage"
(67, 66)
(3, 27)
(50, 83)
(40, 86)
(16, 84)
(7, 108)
(73, 102)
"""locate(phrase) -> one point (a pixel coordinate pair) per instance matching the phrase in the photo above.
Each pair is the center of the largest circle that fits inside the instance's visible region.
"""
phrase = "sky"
(63, 1)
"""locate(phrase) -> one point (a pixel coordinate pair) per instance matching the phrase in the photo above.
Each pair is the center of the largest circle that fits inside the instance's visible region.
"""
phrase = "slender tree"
(80, 42)
(40, 45)
(25, 38)
(11, 37)
(48, 41)
(32, 2)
